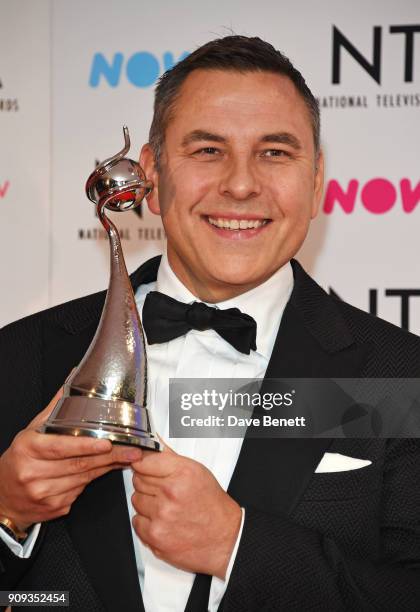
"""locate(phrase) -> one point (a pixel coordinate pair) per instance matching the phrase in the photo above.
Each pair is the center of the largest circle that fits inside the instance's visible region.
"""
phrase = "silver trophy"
(106, 395)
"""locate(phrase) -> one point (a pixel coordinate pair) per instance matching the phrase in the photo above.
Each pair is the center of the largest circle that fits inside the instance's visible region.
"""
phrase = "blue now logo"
(142, 69)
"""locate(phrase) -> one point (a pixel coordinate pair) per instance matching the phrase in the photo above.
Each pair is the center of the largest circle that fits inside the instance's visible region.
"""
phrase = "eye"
(275, 153)
(207, 151)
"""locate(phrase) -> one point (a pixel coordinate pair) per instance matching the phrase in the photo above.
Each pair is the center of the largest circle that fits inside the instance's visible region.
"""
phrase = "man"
(234, 155)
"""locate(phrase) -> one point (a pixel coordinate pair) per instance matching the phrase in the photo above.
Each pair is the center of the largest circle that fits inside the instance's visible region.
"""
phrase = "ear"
(147, 162)
(319, 184)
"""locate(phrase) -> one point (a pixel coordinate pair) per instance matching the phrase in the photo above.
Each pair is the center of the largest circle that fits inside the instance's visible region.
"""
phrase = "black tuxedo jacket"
(311, 541)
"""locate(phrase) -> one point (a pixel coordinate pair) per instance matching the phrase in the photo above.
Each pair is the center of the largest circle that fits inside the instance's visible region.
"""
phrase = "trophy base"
(118, 421)
(115, 437)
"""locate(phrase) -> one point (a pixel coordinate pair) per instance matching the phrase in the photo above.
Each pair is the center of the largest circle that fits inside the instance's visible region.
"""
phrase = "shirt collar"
(264, 303)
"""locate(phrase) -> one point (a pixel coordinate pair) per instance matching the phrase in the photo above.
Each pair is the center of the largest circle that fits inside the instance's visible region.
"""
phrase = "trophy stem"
(118, 269)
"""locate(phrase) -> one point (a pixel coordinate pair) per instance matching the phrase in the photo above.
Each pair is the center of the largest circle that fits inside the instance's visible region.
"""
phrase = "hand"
(42, 474)
(183, 514)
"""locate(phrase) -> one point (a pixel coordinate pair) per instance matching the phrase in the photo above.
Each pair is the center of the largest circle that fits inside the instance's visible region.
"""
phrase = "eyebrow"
(278, 137)
(283, 138)
(199, 135)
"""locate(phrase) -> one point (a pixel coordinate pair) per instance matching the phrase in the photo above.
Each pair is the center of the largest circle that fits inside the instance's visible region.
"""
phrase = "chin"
(236, 278)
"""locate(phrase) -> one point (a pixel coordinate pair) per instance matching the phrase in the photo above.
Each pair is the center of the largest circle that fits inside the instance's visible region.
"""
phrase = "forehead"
(231, 101)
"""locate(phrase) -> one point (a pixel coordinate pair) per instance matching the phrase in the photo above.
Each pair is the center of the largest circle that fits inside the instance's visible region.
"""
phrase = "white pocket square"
(335, 462)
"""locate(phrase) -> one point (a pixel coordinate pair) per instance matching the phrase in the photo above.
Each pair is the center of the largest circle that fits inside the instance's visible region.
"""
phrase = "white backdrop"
(72, 73)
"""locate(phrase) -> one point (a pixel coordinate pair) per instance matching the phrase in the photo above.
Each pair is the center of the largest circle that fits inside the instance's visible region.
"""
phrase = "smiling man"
(239, 176)
(217, 524)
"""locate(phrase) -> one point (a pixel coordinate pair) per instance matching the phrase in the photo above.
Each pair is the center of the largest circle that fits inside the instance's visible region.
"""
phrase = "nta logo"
(142, 69)
(373, 68)
(403, 294)
(378, 195)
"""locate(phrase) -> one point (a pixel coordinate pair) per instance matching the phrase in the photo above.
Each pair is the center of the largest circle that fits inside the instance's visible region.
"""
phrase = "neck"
(211, 291)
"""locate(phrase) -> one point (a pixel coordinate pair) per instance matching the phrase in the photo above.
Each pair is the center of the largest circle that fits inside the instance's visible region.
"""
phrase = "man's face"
(238, 181)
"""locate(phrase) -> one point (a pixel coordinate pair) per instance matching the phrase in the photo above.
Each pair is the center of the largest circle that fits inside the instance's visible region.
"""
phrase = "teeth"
(235, 224)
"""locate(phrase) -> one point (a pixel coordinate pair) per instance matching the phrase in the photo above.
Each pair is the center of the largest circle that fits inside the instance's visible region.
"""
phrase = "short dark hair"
(237, 53)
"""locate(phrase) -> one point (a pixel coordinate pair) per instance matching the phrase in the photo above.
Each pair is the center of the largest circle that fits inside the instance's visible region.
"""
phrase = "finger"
(57, 505)
(141, 526)
(60, 486)
(165, 448)
(53, 446)
(53, 505)
(143, 484)
(144, 505)
(119, 455)
(42, 416)
(156, 464)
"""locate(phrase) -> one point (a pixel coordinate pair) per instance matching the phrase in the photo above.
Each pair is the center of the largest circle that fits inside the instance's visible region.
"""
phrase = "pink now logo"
(377, 196)
(4, 188)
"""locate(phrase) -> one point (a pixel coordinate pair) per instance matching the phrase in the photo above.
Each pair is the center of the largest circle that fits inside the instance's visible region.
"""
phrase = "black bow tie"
(165, 319)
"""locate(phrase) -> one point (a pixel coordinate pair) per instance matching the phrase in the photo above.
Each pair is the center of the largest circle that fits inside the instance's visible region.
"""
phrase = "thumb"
(42, 416)
(166, 448)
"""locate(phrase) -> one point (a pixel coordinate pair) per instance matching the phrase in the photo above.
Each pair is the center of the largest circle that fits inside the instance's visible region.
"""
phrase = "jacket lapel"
(313, 342)
(271, 474)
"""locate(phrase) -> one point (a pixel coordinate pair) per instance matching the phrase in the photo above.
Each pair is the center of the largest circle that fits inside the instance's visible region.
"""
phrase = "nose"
(239, 180)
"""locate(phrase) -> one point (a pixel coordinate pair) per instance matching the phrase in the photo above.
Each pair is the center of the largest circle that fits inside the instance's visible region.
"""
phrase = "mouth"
(237, 228)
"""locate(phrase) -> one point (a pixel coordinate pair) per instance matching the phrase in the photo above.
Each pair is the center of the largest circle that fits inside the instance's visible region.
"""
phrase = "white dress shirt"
(201, 354)
(198, 354)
